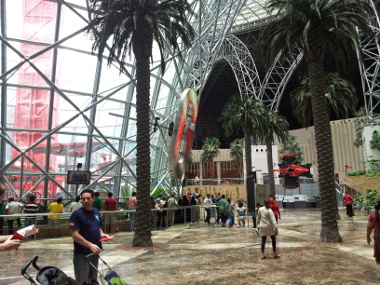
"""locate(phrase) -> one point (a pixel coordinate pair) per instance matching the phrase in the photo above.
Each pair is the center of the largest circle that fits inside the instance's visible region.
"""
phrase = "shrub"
(356, 173)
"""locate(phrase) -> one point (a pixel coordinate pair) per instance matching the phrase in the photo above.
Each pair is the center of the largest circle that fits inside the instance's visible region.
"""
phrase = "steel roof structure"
(55, 91)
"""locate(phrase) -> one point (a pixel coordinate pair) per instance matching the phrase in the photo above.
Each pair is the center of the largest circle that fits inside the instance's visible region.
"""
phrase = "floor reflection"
(202, 254)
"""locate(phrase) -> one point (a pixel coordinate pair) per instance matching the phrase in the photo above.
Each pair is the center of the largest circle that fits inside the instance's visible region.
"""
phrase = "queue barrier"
(197, 215)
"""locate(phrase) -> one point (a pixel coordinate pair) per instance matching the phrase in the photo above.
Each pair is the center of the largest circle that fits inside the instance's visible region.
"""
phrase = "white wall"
(259, 161)
(345, 153)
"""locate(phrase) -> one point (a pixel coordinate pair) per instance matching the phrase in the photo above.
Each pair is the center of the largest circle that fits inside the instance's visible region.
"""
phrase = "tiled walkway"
(202, 254)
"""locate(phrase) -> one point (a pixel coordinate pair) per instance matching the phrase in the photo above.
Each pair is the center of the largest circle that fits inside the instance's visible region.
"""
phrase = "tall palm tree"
(318, 26)
(133, 26)
(243, 113)
(210, 149)
(340, 95)
(278, 126)
(236, 155)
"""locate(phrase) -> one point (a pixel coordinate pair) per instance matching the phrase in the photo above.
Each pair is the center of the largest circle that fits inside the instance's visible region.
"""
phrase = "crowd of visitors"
(225, 212)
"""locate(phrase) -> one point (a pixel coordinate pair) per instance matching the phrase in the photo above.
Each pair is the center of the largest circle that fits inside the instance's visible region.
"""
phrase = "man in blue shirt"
(86, 231)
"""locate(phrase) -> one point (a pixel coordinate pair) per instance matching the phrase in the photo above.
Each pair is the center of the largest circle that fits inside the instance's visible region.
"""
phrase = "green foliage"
(236, 152)
(211, 149)
(340, 96)
(356, 173)
(161, 191)
(373, 167)
(369, 199)
(291, 146)
(243, 113)
(359, 199)
(126, 192)
(117, 20)
(375, 141)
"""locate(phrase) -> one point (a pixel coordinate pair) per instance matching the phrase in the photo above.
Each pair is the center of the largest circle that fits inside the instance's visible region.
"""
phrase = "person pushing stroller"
(86, 231)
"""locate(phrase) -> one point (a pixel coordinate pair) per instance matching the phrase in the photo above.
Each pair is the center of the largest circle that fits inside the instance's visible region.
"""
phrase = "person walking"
(54, 221)
(86, 231)
(222, 207)
(229, 212)
(374, 224)
(208, 203)
(275, 209)
(348, 200)
(241, 212)
(12, 208)
(110, 204)
(267, 227)
(98, 203)
(132, 203)
(76, 204)
(254, 215)
(30, 208)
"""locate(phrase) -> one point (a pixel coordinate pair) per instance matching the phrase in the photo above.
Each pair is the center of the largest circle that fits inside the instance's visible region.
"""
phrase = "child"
(241, 214)
(229, 211)
(254, 213)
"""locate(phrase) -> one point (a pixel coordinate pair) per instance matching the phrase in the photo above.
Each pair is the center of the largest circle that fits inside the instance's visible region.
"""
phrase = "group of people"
(86, 225)
(165, 211)
(12, 208)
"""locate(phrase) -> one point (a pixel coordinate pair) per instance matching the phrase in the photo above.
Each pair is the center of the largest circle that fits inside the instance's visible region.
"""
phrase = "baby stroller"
(111, 277)
(47, 275)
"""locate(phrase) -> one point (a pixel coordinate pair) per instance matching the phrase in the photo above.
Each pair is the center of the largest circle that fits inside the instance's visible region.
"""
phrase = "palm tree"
(278, 126)
(318, 26)
(243, 113)
(292, 146)
(210, 149)
(340, 95)
(132, 26)
(236, 154)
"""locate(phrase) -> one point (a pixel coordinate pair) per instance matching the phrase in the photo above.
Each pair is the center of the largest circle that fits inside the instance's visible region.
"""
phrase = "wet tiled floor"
(202, 254)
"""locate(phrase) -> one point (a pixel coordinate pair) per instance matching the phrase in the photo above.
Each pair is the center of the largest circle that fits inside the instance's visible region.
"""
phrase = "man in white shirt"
(208, 203)
(76, 204)
(12, 208)
(172, 205)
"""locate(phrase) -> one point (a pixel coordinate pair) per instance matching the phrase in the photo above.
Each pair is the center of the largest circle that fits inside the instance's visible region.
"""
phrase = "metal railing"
(196, 215)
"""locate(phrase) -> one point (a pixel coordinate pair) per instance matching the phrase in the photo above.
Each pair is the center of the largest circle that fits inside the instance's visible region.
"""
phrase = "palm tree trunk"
(272, 189)
(212, 168)
(248, 154)
(329, 208)
(143, 234)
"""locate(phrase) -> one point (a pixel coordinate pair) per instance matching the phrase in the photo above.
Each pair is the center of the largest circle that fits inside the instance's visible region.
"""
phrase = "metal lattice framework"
(61, 105)
(369, 69)
(236, 53)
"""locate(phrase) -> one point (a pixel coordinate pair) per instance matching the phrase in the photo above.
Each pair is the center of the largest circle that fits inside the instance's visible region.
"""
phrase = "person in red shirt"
(110, 204)
(349, 200)
(374, 224)
(275, 209)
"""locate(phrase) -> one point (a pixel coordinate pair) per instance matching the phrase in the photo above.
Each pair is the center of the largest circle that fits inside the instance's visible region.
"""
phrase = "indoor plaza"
(79, 112)
(196, 253)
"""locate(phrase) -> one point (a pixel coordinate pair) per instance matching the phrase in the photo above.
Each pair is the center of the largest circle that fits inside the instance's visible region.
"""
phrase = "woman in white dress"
(268, 227)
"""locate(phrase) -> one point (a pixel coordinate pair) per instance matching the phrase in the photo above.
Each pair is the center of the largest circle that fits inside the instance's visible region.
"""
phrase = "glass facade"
(64, 109)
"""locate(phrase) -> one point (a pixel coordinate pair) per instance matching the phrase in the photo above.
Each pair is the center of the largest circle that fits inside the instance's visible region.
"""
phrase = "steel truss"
(369, 69)
(101, 117)
(236, 53)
